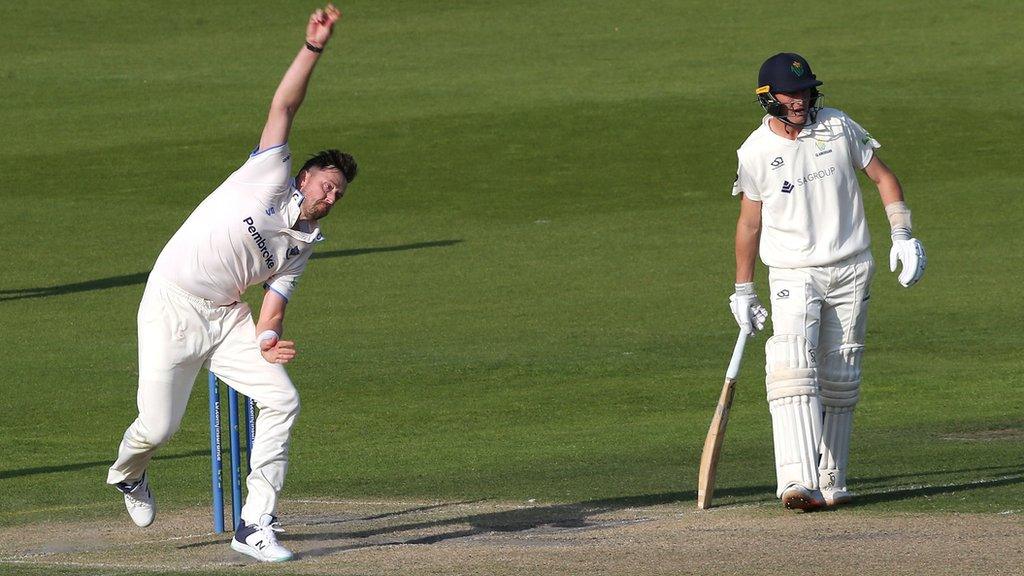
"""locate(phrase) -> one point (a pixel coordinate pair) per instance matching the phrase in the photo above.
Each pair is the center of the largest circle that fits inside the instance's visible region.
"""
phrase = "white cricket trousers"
(819, 319)
(178, 335)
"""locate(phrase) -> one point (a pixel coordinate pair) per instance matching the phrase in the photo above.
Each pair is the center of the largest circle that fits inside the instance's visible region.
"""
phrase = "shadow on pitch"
(583, 515)
(5, 474)
(921, 476)
(1009, 478)
(578, 516)
(140, 277)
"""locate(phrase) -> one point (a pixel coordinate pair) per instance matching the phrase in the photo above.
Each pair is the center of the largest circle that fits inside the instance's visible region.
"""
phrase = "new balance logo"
(293, 251)
(787, 187)
(286, 158)
(270, 211)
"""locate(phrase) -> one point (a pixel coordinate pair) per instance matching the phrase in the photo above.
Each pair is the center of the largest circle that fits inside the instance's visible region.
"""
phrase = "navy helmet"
(787, 72)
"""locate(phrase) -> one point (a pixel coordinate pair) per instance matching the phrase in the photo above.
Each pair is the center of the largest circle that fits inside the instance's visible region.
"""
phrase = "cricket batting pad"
(839, 376)
(795, 406)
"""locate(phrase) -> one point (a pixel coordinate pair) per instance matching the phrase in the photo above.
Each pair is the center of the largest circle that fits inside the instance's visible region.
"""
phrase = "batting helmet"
(786, 72)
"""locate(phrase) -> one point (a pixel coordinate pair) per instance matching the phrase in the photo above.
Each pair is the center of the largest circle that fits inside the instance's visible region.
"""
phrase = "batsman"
(801, 210)
(258, 228)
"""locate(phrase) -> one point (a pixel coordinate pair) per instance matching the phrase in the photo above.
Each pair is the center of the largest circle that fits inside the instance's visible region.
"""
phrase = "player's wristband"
(899, 220)
(267, 335)
(745, 289)
(314, 48)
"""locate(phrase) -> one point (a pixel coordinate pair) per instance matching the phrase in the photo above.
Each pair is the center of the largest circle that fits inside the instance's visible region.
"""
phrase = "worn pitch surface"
(484, 537)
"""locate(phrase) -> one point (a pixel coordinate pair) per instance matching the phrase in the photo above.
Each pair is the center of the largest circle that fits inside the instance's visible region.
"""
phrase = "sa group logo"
(817, 175)
(777, 163)
(787, 187)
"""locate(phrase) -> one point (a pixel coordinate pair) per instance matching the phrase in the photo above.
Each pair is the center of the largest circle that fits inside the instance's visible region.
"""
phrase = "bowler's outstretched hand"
(321, 25)
(277, 351)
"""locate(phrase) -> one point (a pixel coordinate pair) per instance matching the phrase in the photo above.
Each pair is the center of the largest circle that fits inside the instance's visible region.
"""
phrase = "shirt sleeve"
(266, 170)
(744, 184)
(862, 144)
(283, 284)
(285, 281)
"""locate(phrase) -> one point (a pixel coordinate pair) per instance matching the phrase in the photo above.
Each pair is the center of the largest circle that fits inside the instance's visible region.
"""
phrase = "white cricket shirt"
(242, 235)
(812, 213)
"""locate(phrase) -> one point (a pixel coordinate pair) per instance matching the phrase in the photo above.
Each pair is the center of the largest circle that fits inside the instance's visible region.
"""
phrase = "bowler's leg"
(170, 347)
(238, 362)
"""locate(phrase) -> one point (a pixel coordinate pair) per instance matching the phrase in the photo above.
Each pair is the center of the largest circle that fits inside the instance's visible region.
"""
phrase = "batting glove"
(910, 253)
(748, 311)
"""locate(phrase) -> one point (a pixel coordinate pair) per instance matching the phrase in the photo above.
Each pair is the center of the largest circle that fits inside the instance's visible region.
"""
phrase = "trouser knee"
(153, 435)
(284, 401)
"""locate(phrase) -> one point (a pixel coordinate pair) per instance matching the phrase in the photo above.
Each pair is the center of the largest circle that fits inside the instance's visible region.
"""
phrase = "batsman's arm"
(888, 184)
(292, 89)
(270, 327)
(748, 235)
(905, 248)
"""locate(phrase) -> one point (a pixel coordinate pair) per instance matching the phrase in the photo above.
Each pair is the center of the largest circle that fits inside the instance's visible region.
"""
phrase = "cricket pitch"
(485, 537)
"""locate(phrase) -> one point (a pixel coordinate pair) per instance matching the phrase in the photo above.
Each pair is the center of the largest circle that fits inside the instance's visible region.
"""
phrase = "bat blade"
(716, 433)
(713, 446)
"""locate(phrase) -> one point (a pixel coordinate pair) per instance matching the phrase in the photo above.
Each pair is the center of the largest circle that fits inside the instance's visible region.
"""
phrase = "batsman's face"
(322, 187)
(796, 104)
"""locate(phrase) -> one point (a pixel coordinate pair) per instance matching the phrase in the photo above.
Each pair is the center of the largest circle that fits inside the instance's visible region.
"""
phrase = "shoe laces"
(268, 531)
(137, 501)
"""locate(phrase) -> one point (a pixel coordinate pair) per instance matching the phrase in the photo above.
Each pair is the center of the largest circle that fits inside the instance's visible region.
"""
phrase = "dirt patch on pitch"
(600, 537)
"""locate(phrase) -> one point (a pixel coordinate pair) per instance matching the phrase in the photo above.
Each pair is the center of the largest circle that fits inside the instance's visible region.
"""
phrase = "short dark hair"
(341, 161)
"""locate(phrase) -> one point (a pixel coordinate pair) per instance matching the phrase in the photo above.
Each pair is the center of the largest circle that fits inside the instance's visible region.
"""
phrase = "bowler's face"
(796, 104)
(322, 187)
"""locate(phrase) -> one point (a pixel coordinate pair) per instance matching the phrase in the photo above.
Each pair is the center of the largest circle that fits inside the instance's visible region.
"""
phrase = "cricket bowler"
(801, 210)
(257, 228)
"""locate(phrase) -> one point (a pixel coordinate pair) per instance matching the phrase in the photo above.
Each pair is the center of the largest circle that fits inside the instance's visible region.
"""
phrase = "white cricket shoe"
(260, 541)
(139, 501)
(835, 498)
(796, 497)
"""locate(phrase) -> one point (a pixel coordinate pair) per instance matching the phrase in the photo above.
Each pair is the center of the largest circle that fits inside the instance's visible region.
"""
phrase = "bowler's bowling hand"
(321, 25)
(277, 351)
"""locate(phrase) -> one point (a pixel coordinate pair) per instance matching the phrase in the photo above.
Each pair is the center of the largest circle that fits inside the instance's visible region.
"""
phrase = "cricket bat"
(713, 442)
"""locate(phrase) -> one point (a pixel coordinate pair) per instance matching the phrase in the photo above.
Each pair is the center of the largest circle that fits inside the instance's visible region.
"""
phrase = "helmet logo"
(797, 68)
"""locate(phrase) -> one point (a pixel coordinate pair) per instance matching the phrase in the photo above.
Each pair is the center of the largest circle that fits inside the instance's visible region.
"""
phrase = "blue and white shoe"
(260, 541)
(139, 501)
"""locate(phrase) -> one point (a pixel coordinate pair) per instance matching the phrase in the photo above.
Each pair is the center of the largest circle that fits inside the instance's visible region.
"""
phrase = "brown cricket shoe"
(797, 497)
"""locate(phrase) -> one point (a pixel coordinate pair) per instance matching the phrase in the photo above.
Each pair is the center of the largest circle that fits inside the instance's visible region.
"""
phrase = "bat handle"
(737, 356)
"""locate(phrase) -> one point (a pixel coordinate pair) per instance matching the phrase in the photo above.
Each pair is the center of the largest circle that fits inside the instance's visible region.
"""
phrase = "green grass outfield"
(524, 294)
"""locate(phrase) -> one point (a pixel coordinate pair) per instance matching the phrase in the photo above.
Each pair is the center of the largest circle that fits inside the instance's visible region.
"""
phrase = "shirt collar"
(309, 231)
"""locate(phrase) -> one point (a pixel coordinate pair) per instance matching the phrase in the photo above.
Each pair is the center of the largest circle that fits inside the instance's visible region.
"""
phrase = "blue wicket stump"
(216, 462)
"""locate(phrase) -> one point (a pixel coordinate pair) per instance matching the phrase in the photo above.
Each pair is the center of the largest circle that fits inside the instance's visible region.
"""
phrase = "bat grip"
(737, 356)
